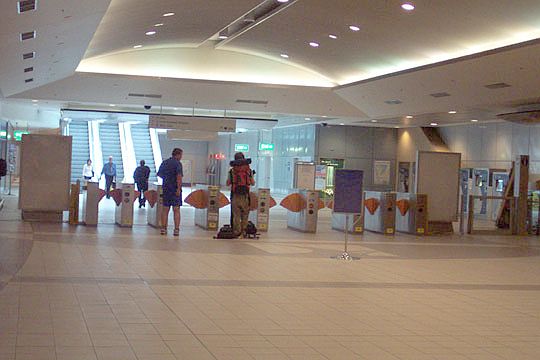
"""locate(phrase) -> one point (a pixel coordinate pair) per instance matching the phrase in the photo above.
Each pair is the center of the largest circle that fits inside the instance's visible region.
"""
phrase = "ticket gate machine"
(208, 218)
(124, 211)
(480, 187)
(380, 212)
(90, 208)
(499, 183)
(306, 219)
(261, 216)
(153, 214)
(356, 222)
(411, 213)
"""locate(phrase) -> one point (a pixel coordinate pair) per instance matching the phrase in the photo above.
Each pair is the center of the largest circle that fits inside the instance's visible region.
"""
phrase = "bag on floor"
(251, 231)
(226, 232)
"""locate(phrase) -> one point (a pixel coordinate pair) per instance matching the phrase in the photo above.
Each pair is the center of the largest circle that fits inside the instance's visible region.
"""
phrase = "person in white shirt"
(88, 170)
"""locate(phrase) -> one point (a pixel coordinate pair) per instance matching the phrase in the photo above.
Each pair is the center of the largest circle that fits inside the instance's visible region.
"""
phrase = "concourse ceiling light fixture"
(408, 6)
(433, 124)
(307, 118)
(168, 14)
(285, 56)
(452, 112)
(313, 44)
(332, 36)
(35, 101)
(158, 25)
(341, 124)
(474, 120)
(354, 27)
(150, 33)
(282, 1)
(409, 116)
(373, 121)
(112, 105)
(223, 34)
(137, 46)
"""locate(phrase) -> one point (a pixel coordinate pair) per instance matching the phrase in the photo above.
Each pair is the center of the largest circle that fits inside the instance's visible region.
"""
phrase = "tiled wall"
(495, 145)
(360, 147)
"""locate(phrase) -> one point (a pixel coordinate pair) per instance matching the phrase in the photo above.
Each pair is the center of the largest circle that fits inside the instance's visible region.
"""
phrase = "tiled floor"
(111, 293)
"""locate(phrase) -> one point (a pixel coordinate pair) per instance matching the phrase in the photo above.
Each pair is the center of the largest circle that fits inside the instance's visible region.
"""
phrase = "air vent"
(152, 96)
(440, 94)
(28, 80)
(26, 5)
(29, 69)
(28, 35)
(257, 102)
(393, 102)
(29, 55)
(499, 85)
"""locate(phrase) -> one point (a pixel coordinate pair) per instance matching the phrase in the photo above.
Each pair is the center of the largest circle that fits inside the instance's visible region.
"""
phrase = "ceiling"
(456, 47)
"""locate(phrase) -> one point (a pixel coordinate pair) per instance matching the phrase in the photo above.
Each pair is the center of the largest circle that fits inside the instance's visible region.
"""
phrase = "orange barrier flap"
(272, 202)
(136, 195)
(372, 205)
(152, 197)
(321, 204)
(101, 194)
(116, 194)
(330, 204)
(253, 201)
(198, 199)
(294, 202)
(403, 206)
(223, 200)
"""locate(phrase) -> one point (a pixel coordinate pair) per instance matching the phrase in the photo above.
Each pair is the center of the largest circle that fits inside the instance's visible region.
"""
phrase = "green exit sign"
(17, 134)
(241, 147)
(266, 147)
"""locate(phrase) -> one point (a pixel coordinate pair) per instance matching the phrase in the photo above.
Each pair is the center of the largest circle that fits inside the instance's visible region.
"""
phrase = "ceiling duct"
(26, 5)
(439, 94)
(256, 102)
(151, 96)
(393, 102)
(499, 85)
(28, 35)
(29, 55)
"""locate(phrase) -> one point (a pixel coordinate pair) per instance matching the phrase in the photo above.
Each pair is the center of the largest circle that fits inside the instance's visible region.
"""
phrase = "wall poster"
(381, 172)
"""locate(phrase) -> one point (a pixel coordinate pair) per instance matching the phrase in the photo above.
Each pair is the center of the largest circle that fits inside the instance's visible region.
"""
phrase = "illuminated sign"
(266, 147)
(17, 134)
(241, 147)
(3, 134)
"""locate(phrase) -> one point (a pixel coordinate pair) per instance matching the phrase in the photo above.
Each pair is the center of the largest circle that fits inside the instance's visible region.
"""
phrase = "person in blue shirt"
(109, 170)
(171, 172)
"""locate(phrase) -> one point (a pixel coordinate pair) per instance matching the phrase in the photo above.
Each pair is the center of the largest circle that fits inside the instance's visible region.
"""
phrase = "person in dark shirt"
(171, 172)
(109, 170)
(141, 176)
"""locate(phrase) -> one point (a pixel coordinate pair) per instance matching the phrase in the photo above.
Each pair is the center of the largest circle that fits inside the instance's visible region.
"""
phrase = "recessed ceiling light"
(452, 112)
(35, 101)
(433, 124)
(354, 28)
(222, 36)
(168, 14)
(313, 44)
(285, 56)
(374, 121)
(150, 33)
(474, 120)
(307, 118)
(407, 6)
(341, 124)
(137, 46)
(112, 105)
(282, 1)
(409, 116)
(332, 36)
(158, 25)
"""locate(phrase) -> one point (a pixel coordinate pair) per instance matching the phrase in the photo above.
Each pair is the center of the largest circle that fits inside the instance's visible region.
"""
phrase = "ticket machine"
(480, 186)
(124, 211)
(499, 181)
(260, 216)
(208, 217)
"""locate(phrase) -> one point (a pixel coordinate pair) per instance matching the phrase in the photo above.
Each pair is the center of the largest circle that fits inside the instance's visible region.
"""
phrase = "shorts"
(170, 199)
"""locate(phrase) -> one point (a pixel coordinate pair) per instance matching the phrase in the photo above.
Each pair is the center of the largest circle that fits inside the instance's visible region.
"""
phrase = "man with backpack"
(240, 180)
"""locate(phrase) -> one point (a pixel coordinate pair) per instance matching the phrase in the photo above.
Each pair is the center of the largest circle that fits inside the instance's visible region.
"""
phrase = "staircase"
(110, 146)
(143, 148)
(80, 149)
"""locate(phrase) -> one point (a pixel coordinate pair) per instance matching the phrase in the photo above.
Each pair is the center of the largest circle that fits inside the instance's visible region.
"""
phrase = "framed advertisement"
(381, 172)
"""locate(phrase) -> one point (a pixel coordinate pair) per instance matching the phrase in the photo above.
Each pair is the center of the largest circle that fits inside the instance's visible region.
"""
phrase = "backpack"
(3, 167)
(251, 231)
(240, 179)
(226, 232)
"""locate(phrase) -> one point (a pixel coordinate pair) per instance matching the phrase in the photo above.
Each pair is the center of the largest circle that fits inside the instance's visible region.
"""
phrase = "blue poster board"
(348, 191)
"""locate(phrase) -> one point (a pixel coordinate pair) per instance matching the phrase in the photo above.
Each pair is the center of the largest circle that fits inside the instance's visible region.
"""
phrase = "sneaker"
(176, 232)
(163, 232)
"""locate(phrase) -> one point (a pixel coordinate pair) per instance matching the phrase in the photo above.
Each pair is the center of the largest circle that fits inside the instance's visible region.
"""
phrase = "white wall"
(196, 151)
(412, 140)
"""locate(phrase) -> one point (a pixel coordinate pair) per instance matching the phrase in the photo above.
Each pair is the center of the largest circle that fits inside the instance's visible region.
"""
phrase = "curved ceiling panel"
(204, 63)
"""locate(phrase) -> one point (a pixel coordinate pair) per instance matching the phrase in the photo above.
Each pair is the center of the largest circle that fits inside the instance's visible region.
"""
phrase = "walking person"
(240, 180)
(88, 170)
(109, 170)
(141, 176)
(171, 172)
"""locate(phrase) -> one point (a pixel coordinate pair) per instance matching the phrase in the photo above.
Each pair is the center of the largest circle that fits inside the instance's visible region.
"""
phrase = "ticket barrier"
(411, 213)
(304, 220)
(380, 209)
(356, 222)
(90, 208)
(124, 207)
(153, 213)
(208, 217)
(261, 202)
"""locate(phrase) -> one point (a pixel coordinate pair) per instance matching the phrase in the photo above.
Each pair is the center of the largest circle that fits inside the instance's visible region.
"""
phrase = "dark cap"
(239, 156)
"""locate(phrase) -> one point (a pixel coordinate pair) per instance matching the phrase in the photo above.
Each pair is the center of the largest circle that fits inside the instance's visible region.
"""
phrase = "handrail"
(156, 149)
(128, 151)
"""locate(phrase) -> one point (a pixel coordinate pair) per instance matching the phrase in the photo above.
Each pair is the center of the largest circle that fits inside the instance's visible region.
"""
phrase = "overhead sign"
(17, 134)
(192, 135)
(198, 123)
(241, 147)
(348, 191)
(266, 147)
